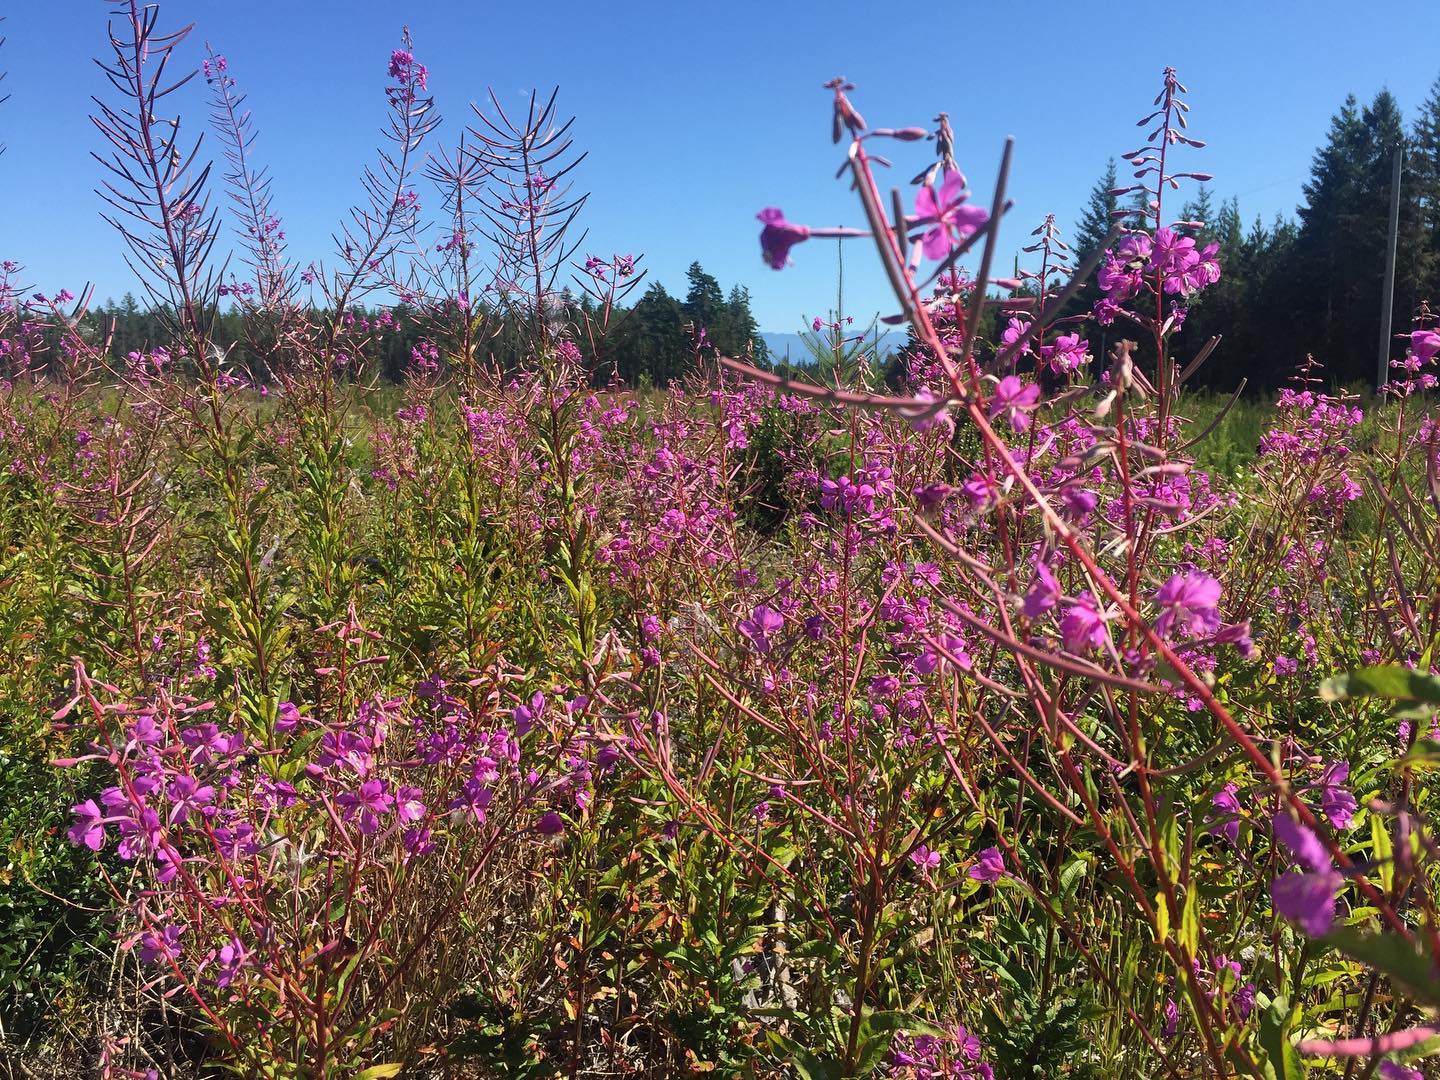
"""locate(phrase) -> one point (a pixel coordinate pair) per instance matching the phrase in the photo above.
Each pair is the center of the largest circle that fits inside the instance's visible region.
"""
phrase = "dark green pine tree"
(1422, 176)
(705, 306)
(1327, 294)
(740, 325)
(1099, 214)
(1202, 209)
(1090, 232)
(652, 342)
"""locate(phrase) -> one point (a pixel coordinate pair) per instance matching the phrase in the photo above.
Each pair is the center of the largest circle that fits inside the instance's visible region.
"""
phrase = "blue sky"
(696, 115)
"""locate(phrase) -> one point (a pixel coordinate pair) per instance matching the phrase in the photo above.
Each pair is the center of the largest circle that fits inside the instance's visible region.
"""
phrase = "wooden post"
(1387, 299)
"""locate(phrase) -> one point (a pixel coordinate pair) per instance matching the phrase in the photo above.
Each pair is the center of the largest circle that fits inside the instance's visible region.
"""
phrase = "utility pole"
(1387, 299)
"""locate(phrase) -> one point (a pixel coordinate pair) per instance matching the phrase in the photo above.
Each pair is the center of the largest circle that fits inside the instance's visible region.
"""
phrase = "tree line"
(1312, 285)
(652, 342)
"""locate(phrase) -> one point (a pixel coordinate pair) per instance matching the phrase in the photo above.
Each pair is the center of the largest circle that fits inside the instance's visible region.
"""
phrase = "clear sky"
(698, 114)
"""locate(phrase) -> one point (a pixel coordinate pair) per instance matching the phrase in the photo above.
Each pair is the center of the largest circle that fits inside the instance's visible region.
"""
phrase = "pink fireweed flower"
(981, 492)
(367, 803)
(1172, 253)
(1336, 800)
(1205, 271)
(763, 622)
(924, 858)
(1172, 1019)
(1305, 896)
(1228, 807)
(1188, 605)
(1135, 248)
(1065, 354)
(89, 827)
(1237, 634)
(1078, 503)
(527, 716)
(229, 961)
(287, 718)
(1013, 400)
(1014, 330)
(1425, 344)
(1082, 628)
(1043, 594)
(406, 71)
(951, 220)
(989, 866)
(938, 654)
(408, 804)
(162, 944)
(187, 794)
(550, 824)
(1393, 1070)
(779, 236)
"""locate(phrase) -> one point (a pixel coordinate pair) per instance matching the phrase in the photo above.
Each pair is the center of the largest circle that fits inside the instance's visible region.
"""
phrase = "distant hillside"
(779, 344)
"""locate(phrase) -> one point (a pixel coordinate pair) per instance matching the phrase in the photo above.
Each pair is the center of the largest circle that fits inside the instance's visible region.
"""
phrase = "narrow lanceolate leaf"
(1391, 682)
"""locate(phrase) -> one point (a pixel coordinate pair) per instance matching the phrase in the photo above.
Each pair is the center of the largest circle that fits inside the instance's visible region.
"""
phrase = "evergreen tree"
(1201, 209)
(1094, 224)
(1324, 289)
(1422, 176)
(705, 306)
(1090, 233)
(740, 324)
(653, 343)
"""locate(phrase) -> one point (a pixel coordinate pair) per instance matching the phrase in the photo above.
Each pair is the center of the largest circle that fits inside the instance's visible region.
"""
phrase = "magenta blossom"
(1305, 896)
(408, 804)
(1425, 344)
(1335, 798)
(951, 220)
(287, 718)
(1065, 354)
(1078, 503)
(1043, 594)
(1188, 605)
(1013, 400)
(779, 236)
(231, 958)
(926, 859)
(159, 945)
(89, 827)
(1015, 329)
(1393, 1070)
(1228, 808)
(763, 622)
(367, 804)
(1082, 628)
(989, 866)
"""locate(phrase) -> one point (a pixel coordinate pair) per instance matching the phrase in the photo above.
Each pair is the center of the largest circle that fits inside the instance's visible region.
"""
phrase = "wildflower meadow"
(391, 685)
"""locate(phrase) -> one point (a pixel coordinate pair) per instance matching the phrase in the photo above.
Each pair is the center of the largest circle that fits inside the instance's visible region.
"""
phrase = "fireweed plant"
(514, 723)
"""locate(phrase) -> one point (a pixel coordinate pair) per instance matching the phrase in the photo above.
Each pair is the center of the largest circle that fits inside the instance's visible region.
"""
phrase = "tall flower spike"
(158, 201)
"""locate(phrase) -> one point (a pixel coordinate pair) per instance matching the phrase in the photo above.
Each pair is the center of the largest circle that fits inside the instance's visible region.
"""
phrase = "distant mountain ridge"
(780, 343)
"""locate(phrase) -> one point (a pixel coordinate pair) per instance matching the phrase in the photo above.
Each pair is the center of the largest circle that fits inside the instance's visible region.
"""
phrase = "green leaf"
(1071, 876)
(1389, 681)
(376, 1072)
(1282, 1060)
(1407, 967)
(1190, 923)
(1382, 850)
(1424, 755)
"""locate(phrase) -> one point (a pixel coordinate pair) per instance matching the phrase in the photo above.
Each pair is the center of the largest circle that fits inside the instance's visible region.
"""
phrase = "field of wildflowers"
(510, 723)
